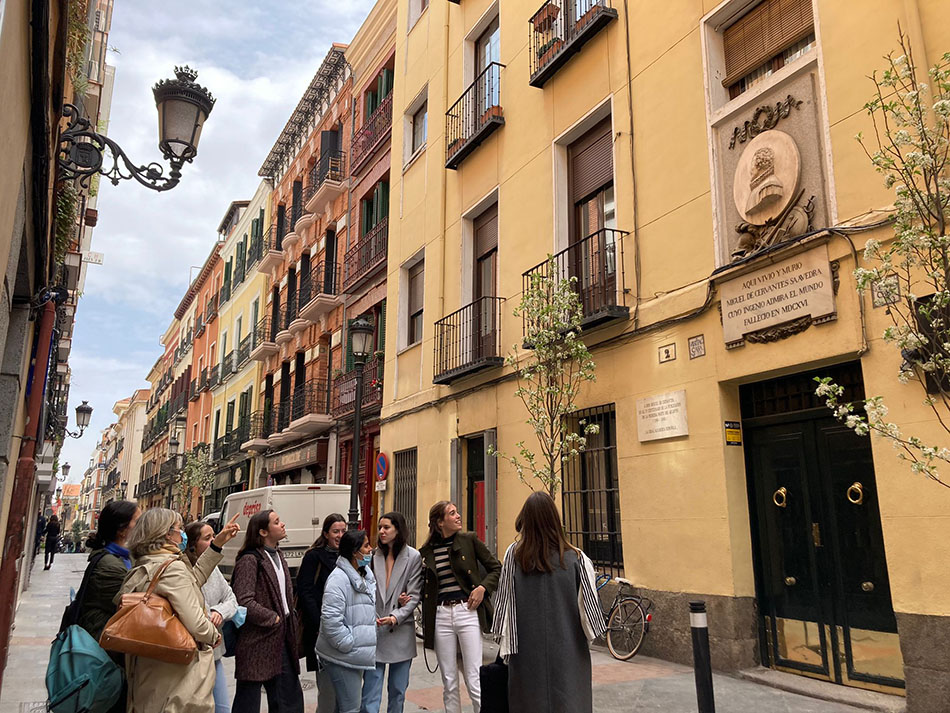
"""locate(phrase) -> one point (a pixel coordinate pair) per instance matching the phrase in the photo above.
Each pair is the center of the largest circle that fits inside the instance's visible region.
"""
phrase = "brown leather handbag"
(146, 626)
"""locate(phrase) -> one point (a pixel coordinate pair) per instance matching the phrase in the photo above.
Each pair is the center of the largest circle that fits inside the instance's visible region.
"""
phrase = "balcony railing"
(371, 134)
(595, 267)
(343, 399)
(193, 390)
(199, 324)
(474, 117)
(230, 443)
(227, 365)
(264, 331)
(281, 414)
(214, 376)
(318, 291)
(243, 352)
(212, 311)
(260, 425)
(224, 294)
(255, 250)
(330, 169)
(468, 340)
(203, 379)
(310, 398)
(558, 31)
(366, 256)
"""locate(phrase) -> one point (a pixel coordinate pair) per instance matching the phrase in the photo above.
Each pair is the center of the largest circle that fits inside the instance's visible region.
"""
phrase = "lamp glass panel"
(362, 341)
(179, 126)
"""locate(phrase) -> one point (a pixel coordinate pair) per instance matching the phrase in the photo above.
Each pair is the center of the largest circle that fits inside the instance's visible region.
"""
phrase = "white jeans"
(454, 627)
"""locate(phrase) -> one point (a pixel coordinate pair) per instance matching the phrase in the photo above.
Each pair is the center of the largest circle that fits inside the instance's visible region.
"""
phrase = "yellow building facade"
(708, 196)
(241, 305)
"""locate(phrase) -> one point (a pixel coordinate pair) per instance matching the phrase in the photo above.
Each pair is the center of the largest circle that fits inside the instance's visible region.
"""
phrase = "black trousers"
(50, 553)
(284, 694)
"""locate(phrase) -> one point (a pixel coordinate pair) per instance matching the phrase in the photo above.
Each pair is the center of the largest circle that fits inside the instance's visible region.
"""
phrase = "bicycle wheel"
(626, 627)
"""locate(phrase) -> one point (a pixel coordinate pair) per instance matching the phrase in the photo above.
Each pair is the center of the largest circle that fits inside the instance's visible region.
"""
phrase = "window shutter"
(229, 420)
(762, 33)
(349, 364)
(383, 202)
(486, 231)
(260, 223)
(244, 410)
(591, 162)
(381, 330)
(254, 228)
(328, 142)
(227, 270)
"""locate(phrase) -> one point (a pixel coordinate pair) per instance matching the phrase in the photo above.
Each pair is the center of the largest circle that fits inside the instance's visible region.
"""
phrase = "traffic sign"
(382, 466)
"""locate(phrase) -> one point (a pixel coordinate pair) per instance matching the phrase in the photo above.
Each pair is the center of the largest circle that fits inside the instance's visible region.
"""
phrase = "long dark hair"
(399, 522)
(193, 533)
(329, 521)
(53, 519)
(351, 541)
(539, 525)
(114, 516)
(253, 539)
(436, 513)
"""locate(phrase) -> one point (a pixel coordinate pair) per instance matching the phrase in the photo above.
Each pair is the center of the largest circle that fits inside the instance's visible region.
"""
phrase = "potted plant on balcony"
(544, 18)
(594, 10)
(490, 113)
(548, 50)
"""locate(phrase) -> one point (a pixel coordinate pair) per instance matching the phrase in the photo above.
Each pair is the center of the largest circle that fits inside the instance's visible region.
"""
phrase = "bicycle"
(628, 618)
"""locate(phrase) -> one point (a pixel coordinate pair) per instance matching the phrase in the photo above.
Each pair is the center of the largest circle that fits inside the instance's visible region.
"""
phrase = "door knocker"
(780, 497)
(856, 494)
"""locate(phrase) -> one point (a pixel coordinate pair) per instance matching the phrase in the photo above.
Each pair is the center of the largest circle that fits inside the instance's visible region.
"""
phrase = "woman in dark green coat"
(108, 564)
(459, 574)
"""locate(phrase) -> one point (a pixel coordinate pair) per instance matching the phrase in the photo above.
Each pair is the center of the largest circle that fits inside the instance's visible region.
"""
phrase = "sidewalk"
(640, 686)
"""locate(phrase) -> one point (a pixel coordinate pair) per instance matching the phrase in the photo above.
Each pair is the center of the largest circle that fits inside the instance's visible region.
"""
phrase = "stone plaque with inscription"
(662, 416)
(797, 287)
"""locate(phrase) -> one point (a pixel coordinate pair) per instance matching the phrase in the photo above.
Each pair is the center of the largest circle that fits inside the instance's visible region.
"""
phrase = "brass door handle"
(867, 586)
(790, 581)
(856, 494)
(780, 497)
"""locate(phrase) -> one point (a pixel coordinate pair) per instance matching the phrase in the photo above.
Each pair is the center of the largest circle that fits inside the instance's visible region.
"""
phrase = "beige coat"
(156, 686)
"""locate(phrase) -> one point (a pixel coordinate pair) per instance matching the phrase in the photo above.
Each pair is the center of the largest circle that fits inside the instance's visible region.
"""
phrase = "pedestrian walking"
(398, 570)
(346, 644)
(220, 605)
(156, 686)
(109, 563)
(52, 541)
(315, 568)
(546, 614)
(455, 605)
(266, 651)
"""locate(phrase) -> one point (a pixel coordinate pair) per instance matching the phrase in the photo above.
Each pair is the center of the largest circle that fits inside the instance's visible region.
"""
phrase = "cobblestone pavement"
(640, 686)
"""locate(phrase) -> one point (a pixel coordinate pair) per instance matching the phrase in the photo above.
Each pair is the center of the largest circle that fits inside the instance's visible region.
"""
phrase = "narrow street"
(640, 686)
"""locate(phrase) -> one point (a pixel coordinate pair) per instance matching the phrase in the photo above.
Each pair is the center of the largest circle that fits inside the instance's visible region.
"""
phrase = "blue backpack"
(81, 678)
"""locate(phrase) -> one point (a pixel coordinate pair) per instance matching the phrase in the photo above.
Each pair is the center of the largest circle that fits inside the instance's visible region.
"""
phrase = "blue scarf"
(121, 553)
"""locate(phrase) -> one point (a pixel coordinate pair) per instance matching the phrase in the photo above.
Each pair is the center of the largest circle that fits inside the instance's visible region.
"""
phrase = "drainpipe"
(13, 541)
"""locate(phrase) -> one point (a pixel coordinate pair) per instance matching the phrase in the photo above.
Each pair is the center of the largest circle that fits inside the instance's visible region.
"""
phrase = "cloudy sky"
(257, 59)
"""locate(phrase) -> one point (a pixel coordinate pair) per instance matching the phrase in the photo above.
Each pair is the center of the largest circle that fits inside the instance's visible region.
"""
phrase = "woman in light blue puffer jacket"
(346, 645)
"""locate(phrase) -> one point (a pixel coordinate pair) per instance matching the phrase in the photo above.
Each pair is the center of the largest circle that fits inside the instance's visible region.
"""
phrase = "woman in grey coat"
(220, 604)
(398, 570)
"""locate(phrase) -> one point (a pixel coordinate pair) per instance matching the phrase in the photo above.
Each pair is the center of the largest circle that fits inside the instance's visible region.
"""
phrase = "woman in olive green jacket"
(455, 605)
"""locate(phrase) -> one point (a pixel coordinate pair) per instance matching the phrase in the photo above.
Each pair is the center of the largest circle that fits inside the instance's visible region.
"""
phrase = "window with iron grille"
(404, 489)
(590, 494)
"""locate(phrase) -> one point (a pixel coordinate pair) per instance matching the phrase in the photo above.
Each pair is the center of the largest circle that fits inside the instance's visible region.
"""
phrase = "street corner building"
(695, 171)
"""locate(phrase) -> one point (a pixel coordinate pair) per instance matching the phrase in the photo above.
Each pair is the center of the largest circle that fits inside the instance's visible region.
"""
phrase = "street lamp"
(183, 106)
(361, 344)
(83, 414)
(65, 468)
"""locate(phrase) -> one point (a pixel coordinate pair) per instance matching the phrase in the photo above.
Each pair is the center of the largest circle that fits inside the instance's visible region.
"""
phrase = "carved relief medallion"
(766, 178)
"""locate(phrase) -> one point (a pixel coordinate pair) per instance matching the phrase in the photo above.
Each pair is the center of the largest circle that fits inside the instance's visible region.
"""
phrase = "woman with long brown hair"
(546, 614)
(455, 606)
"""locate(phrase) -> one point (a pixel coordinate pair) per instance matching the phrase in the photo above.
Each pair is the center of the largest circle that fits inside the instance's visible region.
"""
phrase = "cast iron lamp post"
(361, 344)
(183, 105)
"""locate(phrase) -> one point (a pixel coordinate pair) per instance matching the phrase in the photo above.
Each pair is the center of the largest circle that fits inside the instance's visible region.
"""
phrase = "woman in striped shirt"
(455, 605)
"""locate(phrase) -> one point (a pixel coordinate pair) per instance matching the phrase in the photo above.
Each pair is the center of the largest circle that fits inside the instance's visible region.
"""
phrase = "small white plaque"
(662, 416)
(92, 258)
(381, 485)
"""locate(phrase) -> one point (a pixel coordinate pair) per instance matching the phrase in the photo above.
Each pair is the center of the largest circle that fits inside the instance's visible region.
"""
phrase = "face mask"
(184, 541)
(365, 560)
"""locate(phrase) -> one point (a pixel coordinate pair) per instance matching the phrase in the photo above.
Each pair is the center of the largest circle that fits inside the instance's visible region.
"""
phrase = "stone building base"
(925, 641)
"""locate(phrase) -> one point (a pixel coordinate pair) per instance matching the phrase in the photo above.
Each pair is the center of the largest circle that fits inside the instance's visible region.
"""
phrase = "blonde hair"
(148, 535)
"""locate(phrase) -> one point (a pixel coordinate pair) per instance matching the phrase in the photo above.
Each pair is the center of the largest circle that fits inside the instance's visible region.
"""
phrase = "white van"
(301, 507)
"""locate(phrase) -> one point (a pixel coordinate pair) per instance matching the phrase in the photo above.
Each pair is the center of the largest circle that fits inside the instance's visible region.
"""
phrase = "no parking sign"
(382, 471)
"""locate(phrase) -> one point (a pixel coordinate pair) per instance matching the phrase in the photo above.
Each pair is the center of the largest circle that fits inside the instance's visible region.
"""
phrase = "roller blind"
(486, 231)
(762, 33)
(591, 161)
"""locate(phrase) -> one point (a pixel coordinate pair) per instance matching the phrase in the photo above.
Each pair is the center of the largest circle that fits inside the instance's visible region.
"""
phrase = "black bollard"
(702, 664)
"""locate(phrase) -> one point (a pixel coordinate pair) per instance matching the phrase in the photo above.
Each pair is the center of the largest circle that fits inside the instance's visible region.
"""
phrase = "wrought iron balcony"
(468, 340)
(343, 398)
(212, 310)
(260, 426)
(474, 117)
(281, 416)
(558, 31)
(370, 136)
(271, 249)
(319, 291)
(193, 390)
(168, 471)
(264, 342)
(327, 181)
(203, 379)
(199, 324)
(255, 250)
(227, 445)
(310, 408)
(224, 294)
(300, 218)
(368, 255)
(595, 267)
(214, 376)
(243, 352)
(227, 366)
